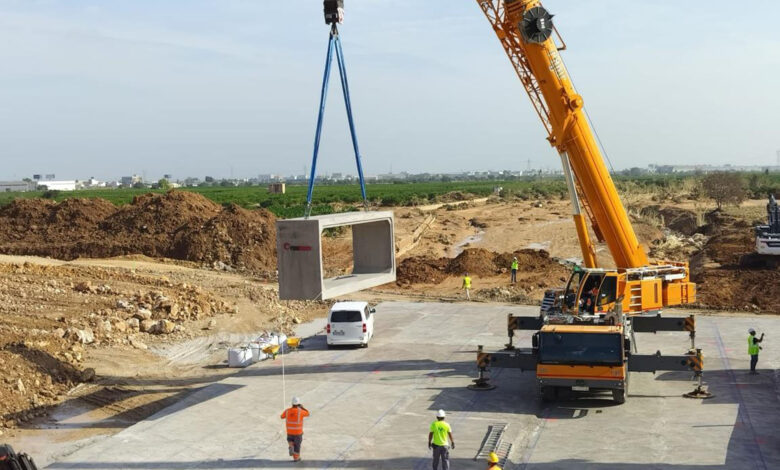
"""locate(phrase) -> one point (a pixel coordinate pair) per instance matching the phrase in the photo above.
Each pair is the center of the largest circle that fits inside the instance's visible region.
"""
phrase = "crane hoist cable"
(334, 43)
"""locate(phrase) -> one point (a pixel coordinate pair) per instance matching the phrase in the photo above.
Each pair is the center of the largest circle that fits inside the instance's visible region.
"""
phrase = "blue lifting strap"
(334, 43)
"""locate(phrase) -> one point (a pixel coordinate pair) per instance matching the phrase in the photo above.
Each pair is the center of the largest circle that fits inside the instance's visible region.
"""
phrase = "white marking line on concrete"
(745, 418)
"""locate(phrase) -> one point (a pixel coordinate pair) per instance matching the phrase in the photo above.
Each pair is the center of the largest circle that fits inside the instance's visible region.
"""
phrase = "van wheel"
(330, 346)
(619, 395)
(364, 345)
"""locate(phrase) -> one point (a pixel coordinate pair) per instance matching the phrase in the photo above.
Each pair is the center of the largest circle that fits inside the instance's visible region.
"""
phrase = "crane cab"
(595, 292)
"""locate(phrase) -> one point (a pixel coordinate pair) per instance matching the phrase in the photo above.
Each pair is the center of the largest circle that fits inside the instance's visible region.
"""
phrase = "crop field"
(327, 198)
(340, 197)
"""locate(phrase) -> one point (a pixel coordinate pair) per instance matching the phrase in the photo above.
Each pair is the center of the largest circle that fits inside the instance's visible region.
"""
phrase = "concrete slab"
(371, 408)
(299, 255)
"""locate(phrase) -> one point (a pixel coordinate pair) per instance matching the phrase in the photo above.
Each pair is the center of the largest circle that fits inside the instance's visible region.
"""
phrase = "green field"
(326, 197)
(330, 198)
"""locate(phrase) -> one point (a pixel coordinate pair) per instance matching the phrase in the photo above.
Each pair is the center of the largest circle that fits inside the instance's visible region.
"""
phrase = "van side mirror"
(372, 310)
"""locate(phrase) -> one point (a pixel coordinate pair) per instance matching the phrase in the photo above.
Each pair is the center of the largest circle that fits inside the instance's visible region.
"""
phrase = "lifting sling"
(334, 43)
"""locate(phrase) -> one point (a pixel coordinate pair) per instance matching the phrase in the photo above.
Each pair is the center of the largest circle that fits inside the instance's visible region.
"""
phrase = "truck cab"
(581, 358)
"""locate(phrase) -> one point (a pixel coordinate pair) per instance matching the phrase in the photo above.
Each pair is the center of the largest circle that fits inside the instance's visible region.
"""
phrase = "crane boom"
(526, 31)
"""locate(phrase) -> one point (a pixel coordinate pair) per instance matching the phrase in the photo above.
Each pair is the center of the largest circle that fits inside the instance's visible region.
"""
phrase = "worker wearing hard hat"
(440, 439)
(294, 416)
(753, 349)
(493, 461)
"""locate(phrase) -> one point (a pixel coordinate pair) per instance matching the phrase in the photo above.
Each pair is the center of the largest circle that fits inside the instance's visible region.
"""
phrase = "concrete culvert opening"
(306, 273)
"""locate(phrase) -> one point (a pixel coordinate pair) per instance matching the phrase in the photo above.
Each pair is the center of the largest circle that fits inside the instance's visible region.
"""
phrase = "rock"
(121, 326)
(88, 375)
(143, 314)
(212, 324)
(85, 287)
(85, 336)
(59, 332)
(20, 386)
(123, 304)
(148, 326)
(105, 326)
(133, 323)
(138, 345)
(296, 320)
(165, 327)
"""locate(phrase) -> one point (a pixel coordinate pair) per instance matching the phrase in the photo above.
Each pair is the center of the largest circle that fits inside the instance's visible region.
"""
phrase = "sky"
(231, 87)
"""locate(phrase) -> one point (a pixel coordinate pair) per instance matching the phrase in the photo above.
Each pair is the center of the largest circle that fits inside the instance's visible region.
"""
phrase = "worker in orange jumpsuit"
(294, 416)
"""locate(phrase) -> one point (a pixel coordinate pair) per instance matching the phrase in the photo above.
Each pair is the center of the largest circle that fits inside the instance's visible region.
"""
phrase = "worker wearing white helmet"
(493, 461)
(294, 416)
(753, 349)
(440, 439)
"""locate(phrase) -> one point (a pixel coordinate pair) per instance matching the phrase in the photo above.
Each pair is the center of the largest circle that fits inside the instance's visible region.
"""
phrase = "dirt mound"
(178, 224)
(235, 236)
(419, 269)
(478, 262)
(739, 289)
(674, 218)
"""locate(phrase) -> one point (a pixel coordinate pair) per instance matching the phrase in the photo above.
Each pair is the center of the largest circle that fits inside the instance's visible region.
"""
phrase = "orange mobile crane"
(585, 331)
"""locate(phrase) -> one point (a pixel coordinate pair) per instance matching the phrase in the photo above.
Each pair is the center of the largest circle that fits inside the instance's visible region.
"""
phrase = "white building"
(16, 186)
(65, 185)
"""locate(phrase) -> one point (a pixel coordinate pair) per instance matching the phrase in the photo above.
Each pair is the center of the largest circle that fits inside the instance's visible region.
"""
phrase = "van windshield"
(345, 316)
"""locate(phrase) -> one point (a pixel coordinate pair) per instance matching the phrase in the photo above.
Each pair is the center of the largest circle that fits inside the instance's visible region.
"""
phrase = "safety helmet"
(492, 457)
(441, 414)
(752, 331)
(296, 401)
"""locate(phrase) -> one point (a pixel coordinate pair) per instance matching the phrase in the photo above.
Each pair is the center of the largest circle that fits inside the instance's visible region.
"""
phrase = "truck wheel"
(619, 395)
(549, 394)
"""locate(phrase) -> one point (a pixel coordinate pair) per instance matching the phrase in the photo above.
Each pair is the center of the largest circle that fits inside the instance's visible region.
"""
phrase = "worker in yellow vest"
(753, 349)
(467, 285)
(493, 461)
(514, 270)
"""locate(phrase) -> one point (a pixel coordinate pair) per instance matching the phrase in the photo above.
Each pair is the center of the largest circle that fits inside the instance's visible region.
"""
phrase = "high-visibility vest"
(752, 347)
(466, 282)
(294, 421)
(514, 265)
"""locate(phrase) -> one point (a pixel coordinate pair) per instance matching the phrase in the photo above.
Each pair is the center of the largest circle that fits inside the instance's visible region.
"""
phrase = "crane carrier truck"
(585, 333)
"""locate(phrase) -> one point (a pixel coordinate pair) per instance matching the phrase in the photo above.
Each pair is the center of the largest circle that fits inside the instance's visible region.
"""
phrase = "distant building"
(130, 180)
(92, 183)
(16, 186)
(69, 185)
(277, 188)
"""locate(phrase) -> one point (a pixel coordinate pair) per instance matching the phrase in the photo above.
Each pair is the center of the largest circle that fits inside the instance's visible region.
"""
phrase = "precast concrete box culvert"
(299, 255)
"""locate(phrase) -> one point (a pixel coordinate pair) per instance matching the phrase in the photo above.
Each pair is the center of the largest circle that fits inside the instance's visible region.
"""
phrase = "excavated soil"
(728, 273)
(178, 225)
(537, 270)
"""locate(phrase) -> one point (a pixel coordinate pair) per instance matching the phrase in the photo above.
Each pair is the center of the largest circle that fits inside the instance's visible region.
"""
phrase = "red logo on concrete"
(289, 247)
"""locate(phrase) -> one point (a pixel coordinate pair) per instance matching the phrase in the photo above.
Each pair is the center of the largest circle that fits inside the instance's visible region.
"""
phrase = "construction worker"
(753, 349)
(294, 416)
(493, 461)
(467, 285)
(514, 270)
(440, 439)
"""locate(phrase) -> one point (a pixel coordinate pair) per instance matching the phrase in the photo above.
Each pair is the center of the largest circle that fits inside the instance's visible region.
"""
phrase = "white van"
(350, 323)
